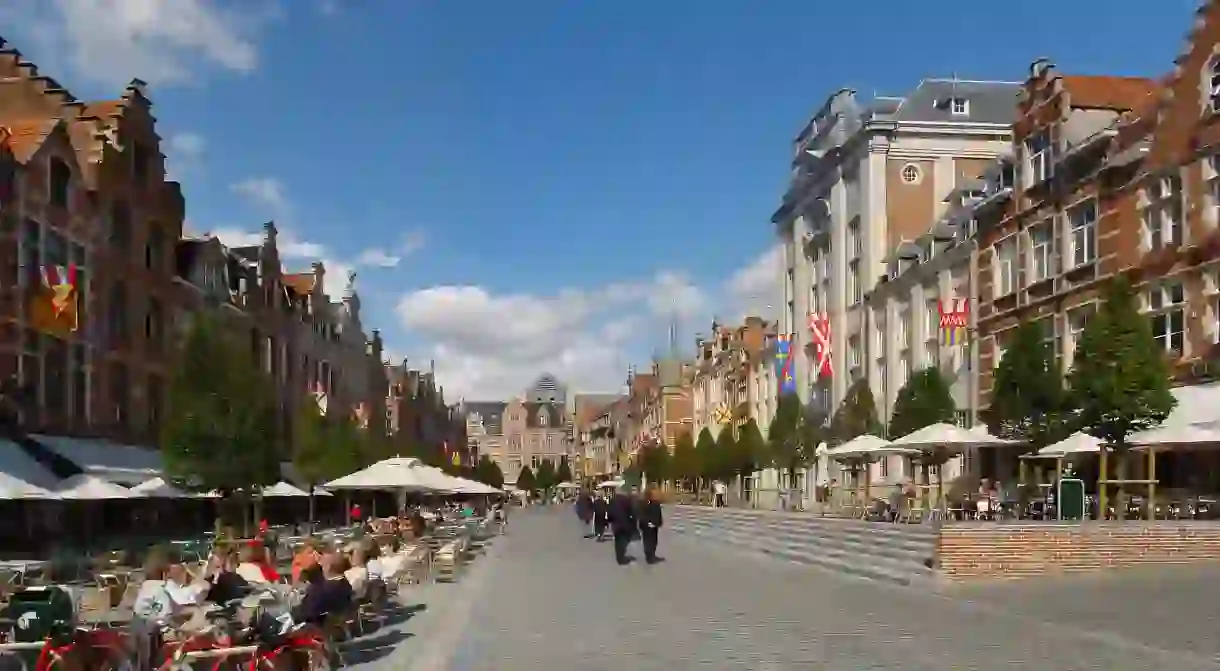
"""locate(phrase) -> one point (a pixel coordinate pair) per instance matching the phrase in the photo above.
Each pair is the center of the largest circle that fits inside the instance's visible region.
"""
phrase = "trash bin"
(1071, 499)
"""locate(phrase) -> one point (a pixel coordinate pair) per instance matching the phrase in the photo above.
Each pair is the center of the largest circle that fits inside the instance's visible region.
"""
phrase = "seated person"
(226, 584)
(327, 591)
(358, 574)
(306, 557)
(250, 566)
(373, 565)
(167, 589)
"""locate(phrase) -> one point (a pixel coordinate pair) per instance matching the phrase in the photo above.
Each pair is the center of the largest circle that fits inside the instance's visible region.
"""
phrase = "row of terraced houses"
(995, 202)
(83, 185)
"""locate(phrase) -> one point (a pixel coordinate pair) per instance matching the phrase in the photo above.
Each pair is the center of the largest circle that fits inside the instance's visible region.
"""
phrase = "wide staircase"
(895, 553)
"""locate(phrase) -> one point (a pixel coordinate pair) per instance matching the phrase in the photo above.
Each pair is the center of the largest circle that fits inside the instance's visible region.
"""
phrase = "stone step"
(817, 526)
(847, 562)
(915, 552)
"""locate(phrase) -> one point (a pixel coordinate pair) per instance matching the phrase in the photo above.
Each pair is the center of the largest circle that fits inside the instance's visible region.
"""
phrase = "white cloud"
(109, 42)
(267, 193)
(757, 289)
(378, 258)
(184, 152)
(412, 242)
(491, 346)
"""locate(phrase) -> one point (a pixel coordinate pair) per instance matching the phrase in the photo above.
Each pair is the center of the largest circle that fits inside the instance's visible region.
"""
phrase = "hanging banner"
(954, 321)
(819, 329)
(53, 307)
(783, 364)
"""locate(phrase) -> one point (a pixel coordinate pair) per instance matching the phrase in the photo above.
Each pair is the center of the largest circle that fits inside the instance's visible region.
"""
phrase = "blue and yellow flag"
(783, 364)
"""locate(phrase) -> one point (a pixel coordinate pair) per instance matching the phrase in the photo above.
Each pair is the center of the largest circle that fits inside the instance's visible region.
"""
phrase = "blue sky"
(536, 185)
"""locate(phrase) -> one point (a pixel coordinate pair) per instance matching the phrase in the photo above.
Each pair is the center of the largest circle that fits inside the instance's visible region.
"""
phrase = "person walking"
(622, 524)
(721, 492)
(650, 524)
(584, 512)
(601, 512)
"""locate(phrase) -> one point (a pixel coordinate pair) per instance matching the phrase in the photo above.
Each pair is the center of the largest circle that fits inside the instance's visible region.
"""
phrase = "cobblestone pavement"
(551, 599)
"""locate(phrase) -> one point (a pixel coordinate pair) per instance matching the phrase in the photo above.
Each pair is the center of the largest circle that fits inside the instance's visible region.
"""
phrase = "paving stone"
(551, 599)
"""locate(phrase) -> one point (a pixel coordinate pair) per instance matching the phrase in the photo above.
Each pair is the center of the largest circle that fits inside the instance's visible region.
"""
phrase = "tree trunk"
(1120, 492)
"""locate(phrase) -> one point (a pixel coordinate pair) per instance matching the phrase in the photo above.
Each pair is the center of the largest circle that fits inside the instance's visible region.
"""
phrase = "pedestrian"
(601, 512)
(584, 512)
(721, 491)
(622, 524)
(650, 524)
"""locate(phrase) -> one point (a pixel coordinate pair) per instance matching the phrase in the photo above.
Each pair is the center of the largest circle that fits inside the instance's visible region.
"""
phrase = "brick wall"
(1010, 551)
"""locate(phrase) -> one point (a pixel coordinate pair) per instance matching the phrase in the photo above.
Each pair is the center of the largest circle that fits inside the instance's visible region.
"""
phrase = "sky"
(542, 185)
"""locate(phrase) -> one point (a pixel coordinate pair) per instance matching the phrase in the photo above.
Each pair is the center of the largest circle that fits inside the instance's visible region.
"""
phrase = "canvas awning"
(122, 464)
(87, 487)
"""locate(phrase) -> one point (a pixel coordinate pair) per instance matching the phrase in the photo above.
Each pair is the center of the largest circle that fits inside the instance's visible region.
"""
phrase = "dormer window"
(1212, 77)
(959, 107)
(541, 418)
(1037, 159)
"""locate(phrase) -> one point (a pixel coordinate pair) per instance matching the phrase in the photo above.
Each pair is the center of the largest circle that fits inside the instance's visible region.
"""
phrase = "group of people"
(627, 516)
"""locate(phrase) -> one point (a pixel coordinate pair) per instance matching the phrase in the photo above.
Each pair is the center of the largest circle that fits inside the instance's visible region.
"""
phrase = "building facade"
(727, 381)
(523, 431)
(866, 177)
(661, 405)
(417, 415)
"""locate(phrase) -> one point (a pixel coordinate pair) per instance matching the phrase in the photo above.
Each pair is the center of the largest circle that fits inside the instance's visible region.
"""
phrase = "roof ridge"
(952, 80)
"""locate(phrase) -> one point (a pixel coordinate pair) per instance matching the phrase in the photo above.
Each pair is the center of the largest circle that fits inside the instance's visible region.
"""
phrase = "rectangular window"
(1005, 268)
(959, 107)
(904, 328)
(31, 374)
(855, 245)
(1077, 320)
(1082, 219)
(156, 401)
(1167, 311)
(1213, 94)
(116, 317)
(154, 249)
(120, 226)
(1162, 216)
(1037, 159)
(854, 286)
(30, 254)
(853, 352)
(1042, 251)
(60, 184)
(120, 394)
(931, 320)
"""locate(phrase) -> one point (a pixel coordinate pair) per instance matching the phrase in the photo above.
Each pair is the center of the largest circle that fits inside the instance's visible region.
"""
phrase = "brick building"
(417, 415)
(84, 186)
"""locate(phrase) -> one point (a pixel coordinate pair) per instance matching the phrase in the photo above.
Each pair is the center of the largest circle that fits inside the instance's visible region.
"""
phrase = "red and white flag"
(819, 328)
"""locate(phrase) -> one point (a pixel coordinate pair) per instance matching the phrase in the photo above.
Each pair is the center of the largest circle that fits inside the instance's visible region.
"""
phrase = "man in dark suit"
(623, 524)
(601, 512)
(584, 511)
(650, 524)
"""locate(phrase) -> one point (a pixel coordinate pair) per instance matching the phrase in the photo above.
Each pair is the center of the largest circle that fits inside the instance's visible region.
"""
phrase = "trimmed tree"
(488, 472)
(721, 466)
(564, 472)
(684, 465)
(1028, 400)
(923, 401)
(220, 432)
(319, 455)
(1119, 382)
(544, 478)
(654, 462)
(748, 451)
(705, 450)
(525, 480)
(857, 415)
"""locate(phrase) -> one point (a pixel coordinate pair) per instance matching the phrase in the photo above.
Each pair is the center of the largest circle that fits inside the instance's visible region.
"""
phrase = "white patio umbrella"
(87, 487)
(952, 439)
(283, 489)
(616, 483)
(1077, 443)
(865, 448)
(396, 473)
(158, 488)
(1194, 434)
(567, 485)
(13, 488)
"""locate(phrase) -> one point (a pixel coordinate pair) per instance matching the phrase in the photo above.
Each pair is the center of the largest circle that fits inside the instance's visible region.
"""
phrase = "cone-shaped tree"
(1028, 401)
(564, 472)
(488, 472)
(525, 480)
(654, 462)
(1119, 382)
(722, 466)
(748, 451)
(544, 478)
(857, 415)
(784, 443)
(705, 448)
(924, 400)
(684, 465)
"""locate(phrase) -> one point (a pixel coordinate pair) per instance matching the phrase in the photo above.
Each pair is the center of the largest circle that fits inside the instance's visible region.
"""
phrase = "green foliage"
(488, 472)
(721, 466)
(325, 448)
(221, 429)
(1028, 402)
(544, 478)
(684, 465)
(564, 472)
(924, 400)
(654, 462)
(857, 415)
(705, 451)
(526, 480)
(793, 436)
(748, 451)
(1119, 382)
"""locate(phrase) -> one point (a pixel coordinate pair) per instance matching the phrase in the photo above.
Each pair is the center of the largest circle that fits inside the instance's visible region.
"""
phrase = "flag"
(53, 304)
(954, 321)
(819, 330)
(783, 364)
